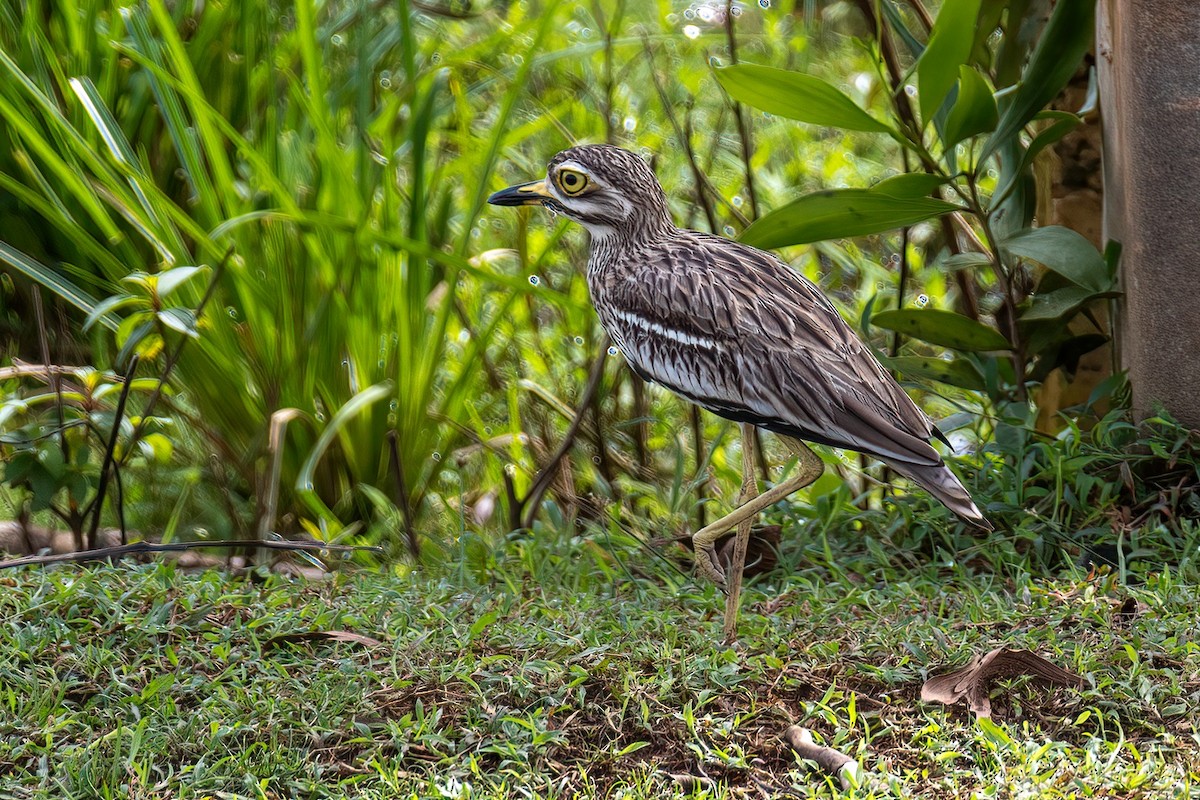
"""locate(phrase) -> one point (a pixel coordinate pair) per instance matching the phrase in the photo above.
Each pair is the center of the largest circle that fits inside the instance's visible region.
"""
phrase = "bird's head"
(606, 189)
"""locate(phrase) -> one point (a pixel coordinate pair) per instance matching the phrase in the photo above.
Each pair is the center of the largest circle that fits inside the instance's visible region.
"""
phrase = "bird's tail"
(939, 481)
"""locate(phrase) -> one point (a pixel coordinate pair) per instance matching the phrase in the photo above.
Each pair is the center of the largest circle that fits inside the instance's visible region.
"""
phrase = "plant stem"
(743, 125)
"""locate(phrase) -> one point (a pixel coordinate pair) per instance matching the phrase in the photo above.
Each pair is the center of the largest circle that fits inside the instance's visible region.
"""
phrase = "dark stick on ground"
(138, 548)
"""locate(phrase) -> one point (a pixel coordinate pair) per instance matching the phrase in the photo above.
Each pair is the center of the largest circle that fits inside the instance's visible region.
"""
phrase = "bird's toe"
(708, 565)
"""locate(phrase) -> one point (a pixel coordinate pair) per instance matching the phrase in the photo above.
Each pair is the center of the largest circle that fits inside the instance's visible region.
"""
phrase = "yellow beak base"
(525, 194)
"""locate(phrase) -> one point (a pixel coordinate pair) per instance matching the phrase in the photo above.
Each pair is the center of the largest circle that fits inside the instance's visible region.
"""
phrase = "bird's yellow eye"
(572, 182)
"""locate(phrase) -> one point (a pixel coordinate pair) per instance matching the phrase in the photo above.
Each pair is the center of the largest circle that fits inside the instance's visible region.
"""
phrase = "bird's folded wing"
(739, 332)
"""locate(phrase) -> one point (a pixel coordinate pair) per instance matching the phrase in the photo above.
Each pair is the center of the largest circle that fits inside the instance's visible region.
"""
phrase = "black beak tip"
(508, 197)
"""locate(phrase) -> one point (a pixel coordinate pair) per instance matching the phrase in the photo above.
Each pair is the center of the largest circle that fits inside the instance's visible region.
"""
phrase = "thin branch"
(545, 477)
(684, 138)
(138, 548)
(739, 113)
(109, 464)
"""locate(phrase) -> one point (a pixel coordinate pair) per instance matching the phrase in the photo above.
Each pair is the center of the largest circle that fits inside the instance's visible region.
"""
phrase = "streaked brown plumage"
(730, 327)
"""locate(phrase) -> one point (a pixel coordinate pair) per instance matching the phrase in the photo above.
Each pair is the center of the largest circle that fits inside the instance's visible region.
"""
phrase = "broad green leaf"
(957, 372)
(1062, 45)
(180, 319)
(838, 213)
(1061, 303)
(1064, 251)
(974, 110)
(172, 279)
(949, 47)
(19, 466)
(44, 486)
(156, 446)
(910, 184)
(796, 96)
(943, 328)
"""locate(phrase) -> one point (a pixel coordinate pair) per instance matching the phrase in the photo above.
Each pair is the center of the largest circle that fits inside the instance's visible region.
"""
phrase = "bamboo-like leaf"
(839, 213)
(949, 47)
(1061, 303)
(974, 110)
(910, 184)
(1062, 45)
(957, 372)
(796, 96)
(180, 319)
(944, 328)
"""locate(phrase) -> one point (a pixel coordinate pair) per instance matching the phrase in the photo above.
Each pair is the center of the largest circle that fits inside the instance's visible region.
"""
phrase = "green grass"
(552, 673)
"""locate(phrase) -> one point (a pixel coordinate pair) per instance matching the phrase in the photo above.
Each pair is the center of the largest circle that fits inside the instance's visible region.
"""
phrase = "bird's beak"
(525, 194)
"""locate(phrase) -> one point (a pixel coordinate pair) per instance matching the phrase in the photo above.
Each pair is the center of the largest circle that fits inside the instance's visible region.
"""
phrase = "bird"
(737, 331)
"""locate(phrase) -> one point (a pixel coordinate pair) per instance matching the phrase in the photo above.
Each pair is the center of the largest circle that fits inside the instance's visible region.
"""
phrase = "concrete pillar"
(1148, 62)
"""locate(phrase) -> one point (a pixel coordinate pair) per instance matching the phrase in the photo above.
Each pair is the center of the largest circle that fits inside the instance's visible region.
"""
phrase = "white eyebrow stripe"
(683, 337)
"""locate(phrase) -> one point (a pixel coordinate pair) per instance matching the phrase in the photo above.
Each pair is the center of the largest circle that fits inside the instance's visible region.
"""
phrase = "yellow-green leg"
(737, 564)
(704, 540)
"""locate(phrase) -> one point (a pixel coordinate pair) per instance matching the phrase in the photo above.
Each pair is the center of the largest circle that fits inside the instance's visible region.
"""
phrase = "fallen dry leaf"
(974, 681)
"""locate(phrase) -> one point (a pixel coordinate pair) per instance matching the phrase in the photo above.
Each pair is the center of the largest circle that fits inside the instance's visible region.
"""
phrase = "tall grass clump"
(331, 153)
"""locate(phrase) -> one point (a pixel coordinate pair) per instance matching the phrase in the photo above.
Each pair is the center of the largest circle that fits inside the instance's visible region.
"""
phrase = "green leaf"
(50, 279)
(107, 306)
(972, 260)
(180, 319)
(838, 213)
(949, 47)
(43, 485)
(1066, 354)
(1061, 303)
(19, 466)
(137, 333)
(1065, 252)
(943, 328)
(910, 184)
(354, 406)
(172, 279)
(481, 624)
(1062, 45)
(958, 372)
(143, 280)
(796, 96)
(157, 447)
(1063, 123)
(974, 110)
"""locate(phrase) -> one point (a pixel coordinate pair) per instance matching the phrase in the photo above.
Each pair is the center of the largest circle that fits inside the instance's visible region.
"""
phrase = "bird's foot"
(707, 562)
